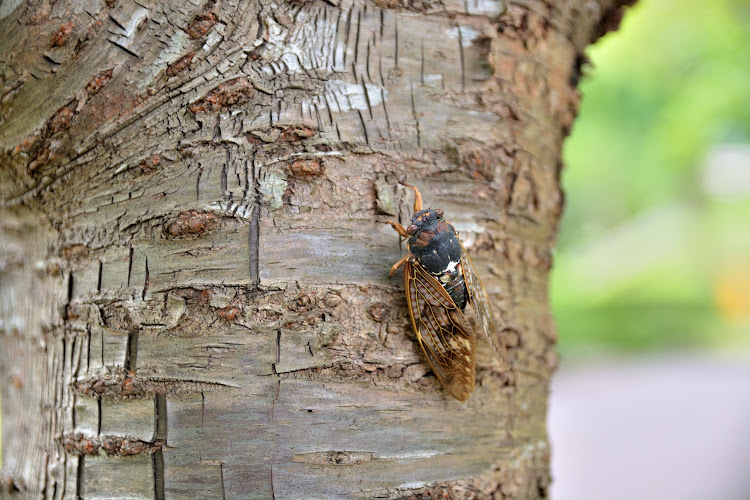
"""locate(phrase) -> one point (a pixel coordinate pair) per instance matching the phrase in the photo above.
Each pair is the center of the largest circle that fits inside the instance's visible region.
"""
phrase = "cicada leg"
(399, 228)
(417, 198)
(397, 265)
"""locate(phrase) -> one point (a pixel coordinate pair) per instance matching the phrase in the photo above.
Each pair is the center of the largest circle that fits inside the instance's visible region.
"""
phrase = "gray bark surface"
(194, 292)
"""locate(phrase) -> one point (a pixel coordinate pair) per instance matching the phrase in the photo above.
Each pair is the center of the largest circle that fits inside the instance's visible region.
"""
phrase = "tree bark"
(194, 286)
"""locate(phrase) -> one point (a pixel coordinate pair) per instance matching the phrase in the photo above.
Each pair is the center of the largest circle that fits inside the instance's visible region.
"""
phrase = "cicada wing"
(480, 301)
(444, 333)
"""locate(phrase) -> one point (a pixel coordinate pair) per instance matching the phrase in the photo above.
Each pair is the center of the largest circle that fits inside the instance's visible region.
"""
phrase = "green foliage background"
(648, 258)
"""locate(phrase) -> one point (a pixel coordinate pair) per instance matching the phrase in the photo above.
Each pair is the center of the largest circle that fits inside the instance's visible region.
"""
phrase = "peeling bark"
(194, 292)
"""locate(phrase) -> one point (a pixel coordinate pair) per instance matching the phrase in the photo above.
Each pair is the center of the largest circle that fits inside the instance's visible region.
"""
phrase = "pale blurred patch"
(727, 171)
(656, 428)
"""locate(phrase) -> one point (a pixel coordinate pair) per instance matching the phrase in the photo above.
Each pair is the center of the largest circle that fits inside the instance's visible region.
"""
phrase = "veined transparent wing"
(480, 301)
(444, 333)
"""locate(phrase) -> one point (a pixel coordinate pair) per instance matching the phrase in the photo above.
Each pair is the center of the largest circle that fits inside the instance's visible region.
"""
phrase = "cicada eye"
(411, 229)
(439, 212)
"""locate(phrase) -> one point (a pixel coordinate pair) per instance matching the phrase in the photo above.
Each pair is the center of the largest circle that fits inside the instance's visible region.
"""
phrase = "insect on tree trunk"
(194, 287)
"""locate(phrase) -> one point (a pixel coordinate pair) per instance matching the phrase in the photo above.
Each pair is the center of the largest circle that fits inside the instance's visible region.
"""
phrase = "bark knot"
(201, 24)
(60, 37)
(180, 65)
(149, 165)
(297, 133)
(190, 223)
(61, 120)
(378, 311)
(307, 169)
(98, 82)
(226, 94)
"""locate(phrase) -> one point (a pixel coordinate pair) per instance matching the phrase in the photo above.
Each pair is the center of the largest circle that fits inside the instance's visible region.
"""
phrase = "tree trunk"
(194, 278)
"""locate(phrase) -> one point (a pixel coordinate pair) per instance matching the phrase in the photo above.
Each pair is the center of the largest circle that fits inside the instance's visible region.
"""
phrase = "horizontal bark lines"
(128, 385)
(78, 444)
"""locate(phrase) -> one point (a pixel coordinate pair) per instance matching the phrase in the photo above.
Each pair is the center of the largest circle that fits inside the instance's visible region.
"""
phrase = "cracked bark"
(194, 286)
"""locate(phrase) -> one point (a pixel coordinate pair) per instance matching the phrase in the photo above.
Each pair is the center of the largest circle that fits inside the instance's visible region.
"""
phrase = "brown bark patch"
(307, 169)
(40, 147)
(126, 385)
(230, 312)
(277, 134)
(297, 133)
(252, 139)
(98, 82)
(78, 444)
(200, 25)
(190, 223)
(180, 65)
(60, 37)
(302, 323)
(303, 303)
(149, 165)
(416, 377)
(227, 94)
(39, 160)
(62, 119)
(119, 105)
(26, 145)
(524, 25)
(75, 252)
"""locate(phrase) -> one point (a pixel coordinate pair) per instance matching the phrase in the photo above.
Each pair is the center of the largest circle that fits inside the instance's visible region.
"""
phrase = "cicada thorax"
(433, 244)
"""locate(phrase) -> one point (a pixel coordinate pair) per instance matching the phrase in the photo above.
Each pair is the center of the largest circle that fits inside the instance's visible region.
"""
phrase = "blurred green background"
(654, 246)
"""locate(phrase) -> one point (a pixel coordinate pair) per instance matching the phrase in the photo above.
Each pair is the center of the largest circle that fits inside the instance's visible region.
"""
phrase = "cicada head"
(433, 243)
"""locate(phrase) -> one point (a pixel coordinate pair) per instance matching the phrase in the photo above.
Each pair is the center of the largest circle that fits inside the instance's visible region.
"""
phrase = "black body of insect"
(440, 280)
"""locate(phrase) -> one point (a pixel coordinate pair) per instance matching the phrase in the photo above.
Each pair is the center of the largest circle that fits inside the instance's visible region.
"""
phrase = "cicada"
(440, 281)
